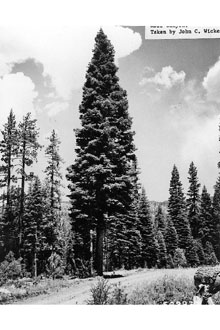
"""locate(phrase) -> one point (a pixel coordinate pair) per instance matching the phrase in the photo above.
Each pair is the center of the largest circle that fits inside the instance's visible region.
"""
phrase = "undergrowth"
(168, 289)
(103, 293)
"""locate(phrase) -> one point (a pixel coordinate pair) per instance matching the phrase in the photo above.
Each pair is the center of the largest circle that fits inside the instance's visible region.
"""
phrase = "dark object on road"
(113, 276)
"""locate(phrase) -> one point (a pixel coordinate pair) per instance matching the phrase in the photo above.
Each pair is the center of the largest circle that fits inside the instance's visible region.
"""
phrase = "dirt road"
(79, 290)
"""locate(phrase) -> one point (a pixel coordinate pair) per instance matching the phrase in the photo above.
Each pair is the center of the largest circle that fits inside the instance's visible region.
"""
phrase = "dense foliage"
(108, 222)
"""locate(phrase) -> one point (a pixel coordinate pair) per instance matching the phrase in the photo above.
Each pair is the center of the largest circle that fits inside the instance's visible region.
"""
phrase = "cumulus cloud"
(211, 82)
(17, 92)
(166, 78)
(64, 51)
(55, 107)
(5, 68)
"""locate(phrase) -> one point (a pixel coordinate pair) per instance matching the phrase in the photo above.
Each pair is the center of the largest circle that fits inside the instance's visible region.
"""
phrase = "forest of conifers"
(109, 224)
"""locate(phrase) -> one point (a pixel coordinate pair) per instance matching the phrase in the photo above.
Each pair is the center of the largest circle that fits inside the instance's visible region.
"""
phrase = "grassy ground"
(24, 288)
(139, 286)
(162, 286)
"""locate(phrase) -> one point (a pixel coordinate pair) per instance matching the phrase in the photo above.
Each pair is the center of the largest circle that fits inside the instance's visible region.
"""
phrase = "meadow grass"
(170, 286)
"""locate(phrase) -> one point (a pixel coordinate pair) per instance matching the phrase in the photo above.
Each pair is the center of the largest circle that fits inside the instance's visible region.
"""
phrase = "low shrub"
(10, 268)
(118, 295)
(104, 293)
(100, 292)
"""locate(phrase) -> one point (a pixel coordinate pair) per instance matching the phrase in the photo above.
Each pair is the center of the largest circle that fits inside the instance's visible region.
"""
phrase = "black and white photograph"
(109, 165)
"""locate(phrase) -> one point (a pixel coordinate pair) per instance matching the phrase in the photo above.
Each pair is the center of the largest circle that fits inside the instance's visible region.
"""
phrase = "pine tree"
(53, 183)
(149, 244)
(178, 215)
(171, 238)
(27, 154)
(177, 208)
(207, 228)
(162, 252)
(193, 201)
(100, 178)
(34, 224)
(53, 170)
(8, 150)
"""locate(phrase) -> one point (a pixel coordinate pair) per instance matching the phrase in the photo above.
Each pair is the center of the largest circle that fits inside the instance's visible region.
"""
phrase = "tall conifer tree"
(53, 183)
(207, 228)
(216, 215)
(178, 214)
(193, 201)
(8, 150)
(27, 154)
(53, 170)
(216, 219)
(34, 224)
(100, 178)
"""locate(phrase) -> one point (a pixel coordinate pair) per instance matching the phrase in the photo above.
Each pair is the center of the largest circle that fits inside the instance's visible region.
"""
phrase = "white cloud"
(55, 107)
(166, 78)
(64, 51)
(17, 93)
(211, 82)
(5, 68)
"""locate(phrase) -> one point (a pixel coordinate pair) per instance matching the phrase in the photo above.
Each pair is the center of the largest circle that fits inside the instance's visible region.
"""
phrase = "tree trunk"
(99, 244)
(91, 252)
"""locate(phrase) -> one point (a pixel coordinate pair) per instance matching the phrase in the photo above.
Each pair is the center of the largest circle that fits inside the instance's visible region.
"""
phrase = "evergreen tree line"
(31, 227)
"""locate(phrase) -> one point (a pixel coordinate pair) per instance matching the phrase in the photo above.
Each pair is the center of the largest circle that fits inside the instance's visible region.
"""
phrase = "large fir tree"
(100, 178)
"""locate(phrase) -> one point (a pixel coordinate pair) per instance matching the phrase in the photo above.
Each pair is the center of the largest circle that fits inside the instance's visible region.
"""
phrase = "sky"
(173, 91)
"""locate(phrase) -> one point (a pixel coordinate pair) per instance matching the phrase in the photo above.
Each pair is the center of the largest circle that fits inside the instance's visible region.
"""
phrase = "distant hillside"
(154, 206)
